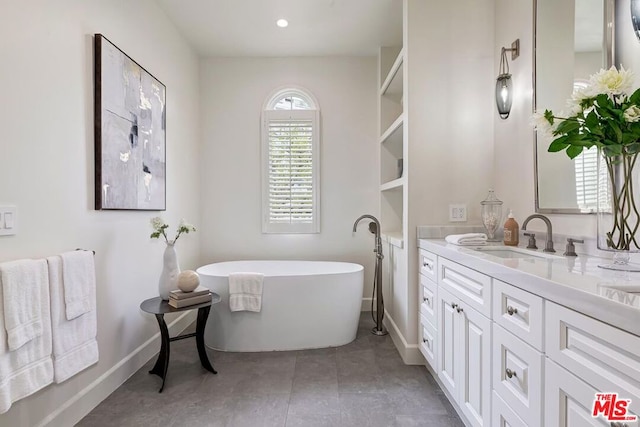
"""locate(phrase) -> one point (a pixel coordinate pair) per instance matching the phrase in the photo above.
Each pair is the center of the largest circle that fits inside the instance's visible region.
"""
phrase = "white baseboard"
(410, 353)
(448, 395)
(76, 408)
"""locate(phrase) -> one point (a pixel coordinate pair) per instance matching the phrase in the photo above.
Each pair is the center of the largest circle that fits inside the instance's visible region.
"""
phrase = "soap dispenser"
(511, 231)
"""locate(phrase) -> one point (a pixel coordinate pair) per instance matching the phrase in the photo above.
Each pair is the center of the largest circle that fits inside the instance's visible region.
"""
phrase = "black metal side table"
(159, 308)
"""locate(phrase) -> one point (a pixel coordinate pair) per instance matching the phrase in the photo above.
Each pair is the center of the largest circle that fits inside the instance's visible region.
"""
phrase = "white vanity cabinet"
(464, 341)
(509, 356)
(428, 307)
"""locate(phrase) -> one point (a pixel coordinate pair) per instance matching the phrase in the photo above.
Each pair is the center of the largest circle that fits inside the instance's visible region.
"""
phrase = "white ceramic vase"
(170, 270)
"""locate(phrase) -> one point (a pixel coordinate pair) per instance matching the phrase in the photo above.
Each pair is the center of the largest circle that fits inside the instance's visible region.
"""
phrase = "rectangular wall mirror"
(573, 40)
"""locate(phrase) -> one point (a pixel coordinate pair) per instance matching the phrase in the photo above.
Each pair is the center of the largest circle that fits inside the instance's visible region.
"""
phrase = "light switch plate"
(8, 220)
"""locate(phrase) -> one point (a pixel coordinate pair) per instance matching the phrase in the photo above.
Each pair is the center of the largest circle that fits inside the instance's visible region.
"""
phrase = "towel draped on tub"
(245, 291)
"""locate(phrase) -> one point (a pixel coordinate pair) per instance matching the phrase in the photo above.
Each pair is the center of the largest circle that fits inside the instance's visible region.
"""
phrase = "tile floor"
(364, 383)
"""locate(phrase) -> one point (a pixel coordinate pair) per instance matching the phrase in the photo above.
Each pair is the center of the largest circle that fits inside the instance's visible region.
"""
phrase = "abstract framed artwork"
(130, 133)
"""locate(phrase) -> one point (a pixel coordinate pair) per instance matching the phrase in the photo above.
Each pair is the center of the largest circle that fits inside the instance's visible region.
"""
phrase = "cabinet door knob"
(454, 305)
(459, 310)
(424, 340)
(511, 310)
(510, 373)
(425, 264)
(425, 299)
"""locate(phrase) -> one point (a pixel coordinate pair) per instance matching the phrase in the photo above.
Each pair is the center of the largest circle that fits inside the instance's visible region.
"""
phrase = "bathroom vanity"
(524, 338)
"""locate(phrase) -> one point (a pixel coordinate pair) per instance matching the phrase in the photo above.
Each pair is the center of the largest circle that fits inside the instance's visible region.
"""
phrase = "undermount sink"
(513, 252)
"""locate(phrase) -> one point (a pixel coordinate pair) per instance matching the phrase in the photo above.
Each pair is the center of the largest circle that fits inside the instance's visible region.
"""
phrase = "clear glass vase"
(491, 214)
(619, 209)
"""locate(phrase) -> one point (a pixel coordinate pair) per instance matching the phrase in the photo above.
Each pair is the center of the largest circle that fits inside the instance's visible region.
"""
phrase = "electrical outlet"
(458, 213)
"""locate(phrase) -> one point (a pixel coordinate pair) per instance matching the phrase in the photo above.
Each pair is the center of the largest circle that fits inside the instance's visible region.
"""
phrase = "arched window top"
(291, 99)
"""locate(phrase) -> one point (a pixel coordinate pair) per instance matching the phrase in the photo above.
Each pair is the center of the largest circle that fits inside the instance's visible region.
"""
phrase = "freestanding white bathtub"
(305, 304)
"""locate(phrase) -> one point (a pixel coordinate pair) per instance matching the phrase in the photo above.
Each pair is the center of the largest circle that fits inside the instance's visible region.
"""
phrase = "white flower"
(542, 125)
(632, 114)
(157, 223)
(577, 97)
(613, 82)
(186, 226)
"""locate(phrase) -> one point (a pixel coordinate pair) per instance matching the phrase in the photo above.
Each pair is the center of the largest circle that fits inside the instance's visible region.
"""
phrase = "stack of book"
(179, 299)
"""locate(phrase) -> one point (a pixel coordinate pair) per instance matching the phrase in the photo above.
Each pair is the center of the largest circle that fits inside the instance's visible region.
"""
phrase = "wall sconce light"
(635, 16)
(504, 85)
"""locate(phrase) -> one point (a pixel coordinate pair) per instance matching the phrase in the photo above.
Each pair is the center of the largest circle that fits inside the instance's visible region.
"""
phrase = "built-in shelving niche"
(391, 89)
(391, 152)
(391, 208)
(392, 176)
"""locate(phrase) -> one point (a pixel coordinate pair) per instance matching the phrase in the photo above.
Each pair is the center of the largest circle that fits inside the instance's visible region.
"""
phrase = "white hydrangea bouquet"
(160, 227)
(605, 114)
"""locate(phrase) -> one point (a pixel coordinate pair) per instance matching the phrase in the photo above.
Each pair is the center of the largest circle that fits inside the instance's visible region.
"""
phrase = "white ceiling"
(316, 27)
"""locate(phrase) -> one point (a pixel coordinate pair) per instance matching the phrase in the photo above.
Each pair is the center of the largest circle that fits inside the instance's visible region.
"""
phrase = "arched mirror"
(573, 40)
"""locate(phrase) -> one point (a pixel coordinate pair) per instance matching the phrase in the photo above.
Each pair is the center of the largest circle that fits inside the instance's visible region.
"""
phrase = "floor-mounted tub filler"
(305, 304)
(378, 313)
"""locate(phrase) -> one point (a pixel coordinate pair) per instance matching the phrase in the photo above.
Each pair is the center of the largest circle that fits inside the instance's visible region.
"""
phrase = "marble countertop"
(578, 283)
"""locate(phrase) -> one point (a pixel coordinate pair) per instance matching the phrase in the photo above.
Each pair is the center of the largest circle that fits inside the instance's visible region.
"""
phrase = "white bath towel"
(245, 291)
(469, 239)
(74, 341)
(79, 282)
(28, 368)
(22, 281)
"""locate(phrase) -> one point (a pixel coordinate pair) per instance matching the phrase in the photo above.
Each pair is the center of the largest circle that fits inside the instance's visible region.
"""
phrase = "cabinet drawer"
(428, 342)
(569, 400)
(428, 303)
(519, 312)
(428, 265)
(502, 415)
(605, 357)
(517, 375)
(470, 286)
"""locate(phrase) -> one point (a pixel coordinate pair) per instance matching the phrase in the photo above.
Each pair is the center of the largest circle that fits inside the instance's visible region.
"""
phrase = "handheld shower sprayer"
(374, 228)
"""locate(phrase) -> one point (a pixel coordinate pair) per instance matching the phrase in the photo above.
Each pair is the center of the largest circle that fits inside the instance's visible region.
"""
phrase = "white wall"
(46, 165)
(233, 91)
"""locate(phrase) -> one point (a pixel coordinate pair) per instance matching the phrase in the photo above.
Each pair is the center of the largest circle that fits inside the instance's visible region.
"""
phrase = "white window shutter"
(586, 168)
(290, 171)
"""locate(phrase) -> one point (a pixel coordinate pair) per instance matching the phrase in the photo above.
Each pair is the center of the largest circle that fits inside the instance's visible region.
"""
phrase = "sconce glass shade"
(635, 16)
(504, 95)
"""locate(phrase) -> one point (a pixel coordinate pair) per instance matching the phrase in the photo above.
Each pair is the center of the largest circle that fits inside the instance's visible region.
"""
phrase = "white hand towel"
(469, 239)
(245, 291)
(29, 368)
(79, 282)
(22, 282)
(74, 341)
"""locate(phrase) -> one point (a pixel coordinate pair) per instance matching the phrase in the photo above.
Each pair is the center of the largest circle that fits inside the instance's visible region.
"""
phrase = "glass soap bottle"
(511, 231)
(491, 214)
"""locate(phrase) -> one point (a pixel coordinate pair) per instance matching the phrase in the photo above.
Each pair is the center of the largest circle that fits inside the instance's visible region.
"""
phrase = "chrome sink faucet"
(548, 247)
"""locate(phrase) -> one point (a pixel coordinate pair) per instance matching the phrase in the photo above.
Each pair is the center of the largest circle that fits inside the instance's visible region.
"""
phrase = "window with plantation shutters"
(586, 167)
(290, 156)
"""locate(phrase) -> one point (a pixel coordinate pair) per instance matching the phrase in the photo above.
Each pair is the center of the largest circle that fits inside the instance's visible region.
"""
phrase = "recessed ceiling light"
(282, 23)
